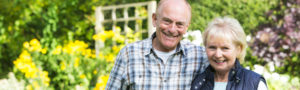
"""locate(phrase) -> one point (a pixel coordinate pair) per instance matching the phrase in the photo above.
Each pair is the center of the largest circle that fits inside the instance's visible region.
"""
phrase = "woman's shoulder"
(250, 73)
(252, 76)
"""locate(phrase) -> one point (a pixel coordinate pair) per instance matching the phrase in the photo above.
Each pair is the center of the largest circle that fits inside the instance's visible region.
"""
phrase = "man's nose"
(172, 27)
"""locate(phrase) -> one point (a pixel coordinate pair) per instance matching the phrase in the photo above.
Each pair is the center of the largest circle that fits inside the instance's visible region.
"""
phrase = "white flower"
(275, 76)
(248, 38)
(258, 69)
(271, 66)
(194, 37)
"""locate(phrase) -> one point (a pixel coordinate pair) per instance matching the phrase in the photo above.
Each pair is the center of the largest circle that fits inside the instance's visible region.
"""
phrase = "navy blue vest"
(239, 79)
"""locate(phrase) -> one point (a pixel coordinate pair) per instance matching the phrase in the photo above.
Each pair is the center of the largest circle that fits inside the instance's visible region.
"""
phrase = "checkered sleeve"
(117, 75)
(204, 59)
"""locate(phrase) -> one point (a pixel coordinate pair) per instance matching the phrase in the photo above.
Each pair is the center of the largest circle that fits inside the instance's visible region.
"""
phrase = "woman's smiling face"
(221, 52)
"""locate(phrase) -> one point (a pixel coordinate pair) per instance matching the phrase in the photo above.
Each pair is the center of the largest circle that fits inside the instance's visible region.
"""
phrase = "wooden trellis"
(100, 18)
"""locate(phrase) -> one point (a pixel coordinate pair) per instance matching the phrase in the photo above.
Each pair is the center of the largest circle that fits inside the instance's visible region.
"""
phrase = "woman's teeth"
(220, 61)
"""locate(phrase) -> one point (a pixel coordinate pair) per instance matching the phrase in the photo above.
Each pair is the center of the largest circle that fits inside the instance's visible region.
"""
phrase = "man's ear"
(154, 19)
(186, 28)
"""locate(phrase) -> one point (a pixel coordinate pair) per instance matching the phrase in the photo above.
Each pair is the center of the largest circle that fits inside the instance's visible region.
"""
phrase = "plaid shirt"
(137, 67)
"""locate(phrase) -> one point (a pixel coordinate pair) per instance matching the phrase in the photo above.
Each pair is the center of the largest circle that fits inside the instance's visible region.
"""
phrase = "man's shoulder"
(140, 43)
(137, 46)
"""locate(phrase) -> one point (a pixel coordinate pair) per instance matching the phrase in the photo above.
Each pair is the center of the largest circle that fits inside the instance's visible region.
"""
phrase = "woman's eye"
(225, 48)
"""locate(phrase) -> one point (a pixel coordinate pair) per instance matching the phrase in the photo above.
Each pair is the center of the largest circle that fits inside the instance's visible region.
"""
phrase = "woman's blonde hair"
(228, 28)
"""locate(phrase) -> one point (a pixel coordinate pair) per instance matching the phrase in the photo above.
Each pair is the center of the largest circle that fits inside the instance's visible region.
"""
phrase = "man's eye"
(179, 25)
(212, 47)
(167, 21)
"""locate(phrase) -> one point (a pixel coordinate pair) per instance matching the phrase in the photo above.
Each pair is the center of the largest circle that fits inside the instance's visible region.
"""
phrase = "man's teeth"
(169, 35)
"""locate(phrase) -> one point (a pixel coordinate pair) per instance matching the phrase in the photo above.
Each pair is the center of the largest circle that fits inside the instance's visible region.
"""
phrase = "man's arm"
(118, 73)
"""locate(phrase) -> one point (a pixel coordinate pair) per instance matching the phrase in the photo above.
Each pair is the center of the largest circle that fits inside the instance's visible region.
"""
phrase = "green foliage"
(250, 13)
(60, 22)
(70, 65)
(63, 67)
(50, 21)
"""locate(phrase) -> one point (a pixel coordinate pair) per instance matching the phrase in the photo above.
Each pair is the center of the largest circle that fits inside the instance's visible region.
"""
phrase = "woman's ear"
(239, 49)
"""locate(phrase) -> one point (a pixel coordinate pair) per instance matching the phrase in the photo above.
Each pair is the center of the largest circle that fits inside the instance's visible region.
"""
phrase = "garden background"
(50, 44)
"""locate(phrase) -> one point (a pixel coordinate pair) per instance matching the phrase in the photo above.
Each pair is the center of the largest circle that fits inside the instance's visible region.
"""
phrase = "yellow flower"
(29, 87)
(76, 47)
(36, 85)
(63, 65)
(25, 65)
(102, 80)
(87, 52)
(35, 45)
(119, 38)
(93, 56)
(110, 57)
(26, 45)
(101, 56)
(142, 12)
(118, 29)
(98, 87)
(30, 71)
(100, 36)
(76, 62)
(34, 42)
(45, 78)
(109, 34)
(95, 72)
(82, 76)
(57, 50)
(115, 49)
(44, 50)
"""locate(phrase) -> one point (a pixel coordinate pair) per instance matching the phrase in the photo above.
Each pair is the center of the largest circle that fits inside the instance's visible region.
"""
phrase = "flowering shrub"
(71, 65)
(279, 40)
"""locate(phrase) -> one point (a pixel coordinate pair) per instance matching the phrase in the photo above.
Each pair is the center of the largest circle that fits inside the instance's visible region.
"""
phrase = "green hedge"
(250, 13)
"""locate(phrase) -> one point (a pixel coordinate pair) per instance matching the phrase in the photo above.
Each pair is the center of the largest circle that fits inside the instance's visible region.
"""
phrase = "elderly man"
(162, 62)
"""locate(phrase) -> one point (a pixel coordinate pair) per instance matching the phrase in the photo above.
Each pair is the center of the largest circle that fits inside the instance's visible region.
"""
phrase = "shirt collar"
(234, 73)
(180, 47)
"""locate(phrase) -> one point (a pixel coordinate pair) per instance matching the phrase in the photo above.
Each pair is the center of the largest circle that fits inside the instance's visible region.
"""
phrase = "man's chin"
(170, 46)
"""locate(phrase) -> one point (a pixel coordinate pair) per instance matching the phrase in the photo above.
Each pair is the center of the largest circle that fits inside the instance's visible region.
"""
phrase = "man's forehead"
(182, 5)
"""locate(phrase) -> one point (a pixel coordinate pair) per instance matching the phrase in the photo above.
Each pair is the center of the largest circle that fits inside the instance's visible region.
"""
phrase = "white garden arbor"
(101, 18)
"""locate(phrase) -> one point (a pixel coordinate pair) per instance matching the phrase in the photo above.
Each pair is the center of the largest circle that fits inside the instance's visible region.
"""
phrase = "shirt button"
(200, 83)
(196, 87)
(203, 79)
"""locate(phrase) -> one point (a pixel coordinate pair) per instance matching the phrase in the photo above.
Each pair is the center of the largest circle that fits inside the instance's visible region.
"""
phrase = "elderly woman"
(225, 43)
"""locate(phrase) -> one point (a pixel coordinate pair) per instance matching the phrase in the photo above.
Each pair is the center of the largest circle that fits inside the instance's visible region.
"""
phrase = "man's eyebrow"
(168, 19)
(165, 18)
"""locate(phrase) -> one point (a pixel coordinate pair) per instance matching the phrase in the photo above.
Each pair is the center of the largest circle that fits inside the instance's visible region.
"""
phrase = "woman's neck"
(221, 76)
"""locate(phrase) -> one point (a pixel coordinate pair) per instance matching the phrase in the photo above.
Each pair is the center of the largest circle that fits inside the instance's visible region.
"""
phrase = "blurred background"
(53, 44)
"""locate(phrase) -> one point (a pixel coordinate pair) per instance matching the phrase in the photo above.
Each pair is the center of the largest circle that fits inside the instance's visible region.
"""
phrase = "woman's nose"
(218, 53)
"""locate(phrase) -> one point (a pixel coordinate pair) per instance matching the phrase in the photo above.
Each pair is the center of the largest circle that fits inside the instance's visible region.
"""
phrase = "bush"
(250, 13)
(52, 22)
(70, 65)
(279, 40)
